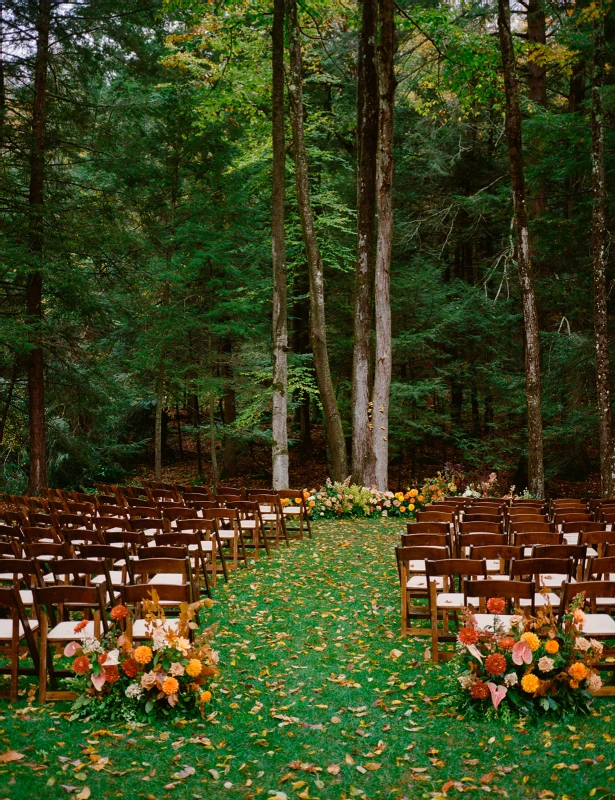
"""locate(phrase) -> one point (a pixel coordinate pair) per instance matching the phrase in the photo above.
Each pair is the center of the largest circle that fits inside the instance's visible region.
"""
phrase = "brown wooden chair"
(414, 585)
(531, 527)
(171, 555)
(207, 529)
(479, 516)
(427, 540)
(252, 525)
(191, 543)
(83, 572)
(52, 604)
(513, 592)
(602, 569)
(35, 534)
(577, 552)
(561, 517)
(443, 528)
(272, 515)
(110, 510)
(466, 540)
(296, 511)
(169, 596)
(14, 629)
(529, 539)
(548, 574)
(119, 563)
(497, 557)
(171, 515)
(597, 540)
(149, 526)
(481, 527)
(228, 527)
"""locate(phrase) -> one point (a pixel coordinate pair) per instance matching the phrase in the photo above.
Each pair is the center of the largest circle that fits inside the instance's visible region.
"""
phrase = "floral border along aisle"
(161, 677)
(535, 667)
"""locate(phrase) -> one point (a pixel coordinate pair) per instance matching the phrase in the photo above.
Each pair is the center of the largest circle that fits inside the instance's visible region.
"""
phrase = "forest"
(242, 237)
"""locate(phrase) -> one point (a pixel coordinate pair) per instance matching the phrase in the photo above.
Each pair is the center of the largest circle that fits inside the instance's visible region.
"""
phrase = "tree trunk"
(524, 263)
(383, 361)
(212, 444)
(600, 257)
(363, 464)
(537, 83)
(318, 330)
(180, 443)
(160, 399)
(2, 78)
(230, 444)
(279, 427)
(197, 434)
(34, 287)
(9, 399)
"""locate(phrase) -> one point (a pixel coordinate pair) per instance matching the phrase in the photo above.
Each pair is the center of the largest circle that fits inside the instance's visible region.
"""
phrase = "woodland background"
(154, 248)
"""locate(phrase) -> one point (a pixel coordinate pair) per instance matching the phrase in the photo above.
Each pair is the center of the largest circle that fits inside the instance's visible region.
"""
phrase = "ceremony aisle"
(318, 697)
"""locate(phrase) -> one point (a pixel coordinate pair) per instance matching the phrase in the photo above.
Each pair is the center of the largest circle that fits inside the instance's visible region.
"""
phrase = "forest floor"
(312, 702)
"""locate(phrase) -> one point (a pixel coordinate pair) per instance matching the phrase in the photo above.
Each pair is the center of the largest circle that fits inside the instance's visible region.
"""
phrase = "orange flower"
(112, 674)
(496, 605)
(194, 668)
(479, 690)
(170, 686)
(495, 664)
(552, 646)
(130, 667)
(507, 643)
(81, 665)
(81, 625)
(532, 640)
(143, 654)
(530, 683)
(205, 697)
(577, 671)
(119, 612)
(574, 684)
(468, 635)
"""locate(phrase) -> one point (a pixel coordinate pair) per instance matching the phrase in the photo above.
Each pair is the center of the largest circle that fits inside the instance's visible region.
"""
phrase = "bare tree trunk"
(34, 287)
(7, 404)
(524, 263)
(2, 78)
(600, 258)
(212, 444)
(180, 443)
(279, 428)
(197, 436)
(363, 463)
(537, 83)
(160, 399)
(318, 330)
(383, 362)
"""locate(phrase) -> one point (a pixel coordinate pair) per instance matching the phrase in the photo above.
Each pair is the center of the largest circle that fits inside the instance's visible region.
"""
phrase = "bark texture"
(522, 245)
(600, 257)
(363, 463)
(279, 429)
(537, 84)
(34, 287)
(384, 180)
(160, 398)
(318, 330)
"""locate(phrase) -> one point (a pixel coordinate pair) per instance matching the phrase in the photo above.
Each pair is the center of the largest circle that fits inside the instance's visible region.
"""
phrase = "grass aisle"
(311, 704)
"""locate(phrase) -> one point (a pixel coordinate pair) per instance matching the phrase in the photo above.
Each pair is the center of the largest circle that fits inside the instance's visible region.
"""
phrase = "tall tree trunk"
(279, 427)
(2, 78)
(600, 257)
(197, 434)
(34, 287)
(363, 464)
(537, 83)
(383, 360)
(318, 330)
(180, 443)
(522, 245)
(9, 399)
(229, 405)
(212, 443)
(160, 399)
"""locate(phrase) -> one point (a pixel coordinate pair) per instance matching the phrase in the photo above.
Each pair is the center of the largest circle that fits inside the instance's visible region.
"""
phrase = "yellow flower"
(552, 646)
(402, 509)
(194, 668)
(399, 496)
(205, 697)
(532, 640)
(420, 498)
(530, 683)
(143, 654)
(170, 686)
(578, 671)
(414, 492)
(574, 684)
(411, 507)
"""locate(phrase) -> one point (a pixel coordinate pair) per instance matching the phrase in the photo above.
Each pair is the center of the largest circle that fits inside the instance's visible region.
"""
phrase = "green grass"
(308, 683)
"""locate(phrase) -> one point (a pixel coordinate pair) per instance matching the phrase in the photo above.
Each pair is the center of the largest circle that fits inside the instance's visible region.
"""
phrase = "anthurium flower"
(521, 653)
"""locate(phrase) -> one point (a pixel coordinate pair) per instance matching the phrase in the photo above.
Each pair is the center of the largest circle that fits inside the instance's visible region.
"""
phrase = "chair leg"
(222, 559)
(261, 532)
(433, 609)
(14, 658)
(43, 655)
(404, 602)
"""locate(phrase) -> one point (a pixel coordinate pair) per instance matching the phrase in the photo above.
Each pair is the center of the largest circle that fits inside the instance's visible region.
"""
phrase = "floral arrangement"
(535, 666)
(116, 680)
(346, 500)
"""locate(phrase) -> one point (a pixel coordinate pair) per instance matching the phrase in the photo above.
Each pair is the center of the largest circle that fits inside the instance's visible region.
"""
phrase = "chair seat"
(541, 600)
(293, 510)
(207, 546)
(139, 629)
(605, 601)
(6, 629)
(65, 631)
(226, 534)
(27, 597)
(248, 523)
(486, 621)
(454, 600)
(168, 578)
(599, 624)
(420, 582)
(554, 581)
(115, 575)
(269, 517)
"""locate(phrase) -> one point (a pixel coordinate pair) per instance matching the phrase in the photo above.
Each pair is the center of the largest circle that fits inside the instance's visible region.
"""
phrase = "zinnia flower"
(130, 667)
(495, 664)
(530, 683)
(118, 612)
(80, 626)
(479, 690)
(545, 664)
(532, 640)
(552, 646)
(206, 697)
(143, 654)
(81, 665)
(170, 686)
(112, 674)
(468, 635)
(496, 605)
(578, 671)
(507, 643)
(194, 668)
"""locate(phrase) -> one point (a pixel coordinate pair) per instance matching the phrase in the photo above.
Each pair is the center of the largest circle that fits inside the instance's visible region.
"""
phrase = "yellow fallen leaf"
(372, 766)
(84, 794)
(11, 755)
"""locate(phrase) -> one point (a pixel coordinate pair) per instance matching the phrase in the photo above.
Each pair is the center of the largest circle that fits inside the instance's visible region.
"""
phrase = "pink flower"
(98, 681)
(522, 652)
(71, 648)
(498, 693)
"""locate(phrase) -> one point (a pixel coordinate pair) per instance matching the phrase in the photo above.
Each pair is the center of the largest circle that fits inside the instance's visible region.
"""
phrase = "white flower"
(596, 645)
(466, 681)
(546, 664)
(113, 658)
(91, 645)
(582, 644)
(511, 679)
(134, 690)
(594, 682)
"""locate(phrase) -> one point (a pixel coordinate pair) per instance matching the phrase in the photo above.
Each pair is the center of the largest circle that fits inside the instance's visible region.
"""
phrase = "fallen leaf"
(11, 755)
(333, 769)
(84, 794)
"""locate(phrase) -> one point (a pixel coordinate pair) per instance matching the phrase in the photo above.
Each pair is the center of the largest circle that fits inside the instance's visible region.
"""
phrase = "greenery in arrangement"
(533, 666)
(163, 676)
(316, 686)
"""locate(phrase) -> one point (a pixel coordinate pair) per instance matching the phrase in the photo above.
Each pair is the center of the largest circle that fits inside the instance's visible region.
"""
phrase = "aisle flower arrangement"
(164, 676)
(537, 666)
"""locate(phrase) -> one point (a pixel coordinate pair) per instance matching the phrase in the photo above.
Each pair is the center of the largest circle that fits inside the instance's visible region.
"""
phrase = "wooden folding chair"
(296, 511)
(513, 592)
(165, 566)
(207, 530)
(169, 596)
(13, 630)
(548, 573)
(598, 540)
(467, 540)
(414, 585)
(272, 515)
(577, 552)
(229, 532)
(498, 558)
(252, 526)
